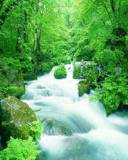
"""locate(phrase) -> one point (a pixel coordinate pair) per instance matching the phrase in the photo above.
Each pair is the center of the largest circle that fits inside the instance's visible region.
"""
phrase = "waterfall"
(76, 128)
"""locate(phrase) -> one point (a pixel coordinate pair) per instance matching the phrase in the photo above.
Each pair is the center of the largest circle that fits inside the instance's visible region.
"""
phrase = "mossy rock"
(60, 72)
(84, 87)
(55, 127)
(17, 119)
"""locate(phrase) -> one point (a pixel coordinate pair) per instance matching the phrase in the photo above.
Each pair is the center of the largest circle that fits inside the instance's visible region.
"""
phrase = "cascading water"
(75, 128)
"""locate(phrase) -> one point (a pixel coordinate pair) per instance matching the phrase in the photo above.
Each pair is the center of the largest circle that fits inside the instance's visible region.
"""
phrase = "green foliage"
(86, 71)
(113, 92)
(76, 71)
(17, 91)
(9, 62)
(36, 35)
(45, 67)
(84, 54)
(83, 87)
(90, 73)
(36, 129)
(60, 72)
(101, 27)
(11, 80)
(19, 149)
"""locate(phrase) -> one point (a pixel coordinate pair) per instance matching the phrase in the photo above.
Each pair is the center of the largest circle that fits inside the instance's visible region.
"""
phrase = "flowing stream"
(75, 128)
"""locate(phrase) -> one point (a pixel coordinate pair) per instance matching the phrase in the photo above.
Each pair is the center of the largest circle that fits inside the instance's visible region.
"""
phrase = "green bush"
(29, 76)
(11, 78)
(18, 149)
(113, 57)
(60, 72)
(87, 71)
(83, 87)
(90, 73)
(9, 62)
(85, 53)
(45, 67)
(36, 129)
(76, 72)
(61, 59)
(113, 92)
(16, 91)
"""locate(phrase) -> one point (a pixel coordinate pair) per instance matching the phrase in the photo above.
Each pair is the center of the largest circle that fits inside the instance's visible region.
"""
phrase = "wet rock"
(54, 127)
(16, 119)
(41, 87)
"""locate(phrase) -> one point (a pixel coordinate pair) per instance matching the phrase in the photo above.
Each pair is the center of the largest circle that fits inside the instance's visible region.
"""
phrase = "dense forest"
(35, 36)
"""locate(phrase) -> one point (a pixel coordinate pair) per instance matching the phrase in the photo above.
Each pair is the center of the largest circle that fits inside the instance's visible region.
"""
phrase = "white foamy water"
(94, 136)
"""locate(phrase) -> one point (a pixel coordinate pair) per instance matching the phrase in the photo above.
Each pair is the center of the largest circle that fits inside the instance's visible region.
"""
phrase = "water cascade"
(75, 128)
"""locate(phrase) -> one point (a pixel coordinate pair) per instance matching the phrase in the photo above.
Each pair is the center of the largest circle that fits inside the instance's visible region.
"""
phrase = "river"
(77, 128)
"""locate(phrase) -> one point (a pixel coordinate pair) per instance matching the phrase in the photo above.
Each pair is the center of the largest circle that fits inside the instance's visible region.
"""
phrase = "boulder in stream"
(55, 127)
(17, 119)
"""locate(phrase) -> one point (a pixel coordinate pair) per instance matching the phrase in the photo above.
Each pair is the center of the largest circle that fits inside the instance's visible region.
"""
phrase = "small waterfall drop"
(76, 128)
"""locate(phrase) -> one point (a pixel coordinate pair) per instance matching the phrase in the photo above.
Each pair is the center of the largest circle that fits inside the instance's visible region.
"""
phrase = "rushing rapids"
(75, 128)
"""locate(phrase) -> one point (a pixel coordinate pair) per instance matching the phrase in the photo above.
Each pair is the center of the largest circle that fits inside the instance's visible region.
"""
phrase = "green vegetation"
(100, 35)
(60, 72)
(76, 72)
(113, 92)
(33, 37)
(19, 122)
(83, 87)
(18, 149)
(36, 35)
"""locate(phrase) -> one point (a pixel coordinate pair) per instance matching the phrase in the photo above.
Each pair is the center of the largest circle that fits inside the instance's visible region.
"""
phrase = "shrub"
(90, 73)
(61, 59)
(18, 149)
(83, 87)
(36, 129)
(77, 72)
(16, 91)
(85, 53)
(60, 72)
(45, 67)
(9, 62)
(113, 92)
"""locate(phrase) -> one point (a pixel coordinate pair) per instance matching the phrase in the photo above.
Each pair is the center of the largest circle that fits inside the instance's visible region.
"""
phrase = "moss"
(60, 72)
(83, 87)
(18, 119)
